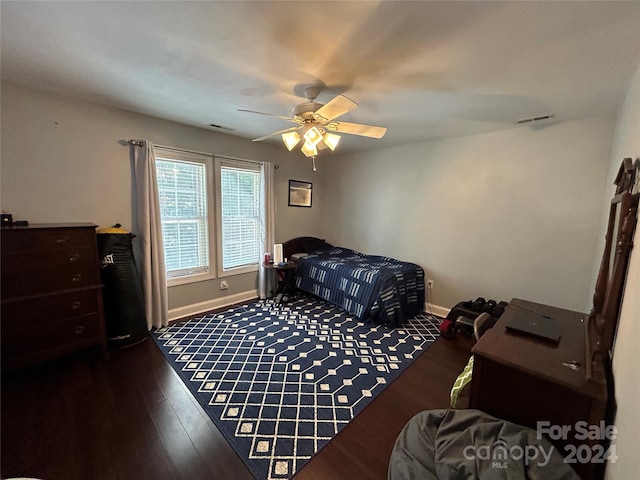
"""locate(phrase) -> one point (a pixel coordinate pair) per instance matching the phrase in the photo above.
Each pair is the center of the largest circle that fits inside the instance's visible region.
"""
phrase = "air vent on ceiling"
(535, 119)
(220, 127)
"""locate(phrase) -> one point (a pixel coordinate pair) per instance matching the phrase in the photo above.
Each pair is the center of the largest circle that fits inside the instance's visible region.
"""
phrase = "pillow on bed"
(313, 244)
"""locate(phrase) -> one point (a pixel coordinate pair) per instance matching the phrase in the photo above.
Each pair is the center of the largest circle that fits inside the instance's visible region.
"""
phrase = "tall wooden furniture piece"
(51, 292)
(607, 299)
(525, 380)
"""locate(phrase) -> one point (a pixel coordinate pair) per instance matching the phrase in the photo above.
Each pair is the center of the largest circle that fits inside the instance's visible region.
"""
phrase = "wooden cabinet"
(51, 292)
(525, 380)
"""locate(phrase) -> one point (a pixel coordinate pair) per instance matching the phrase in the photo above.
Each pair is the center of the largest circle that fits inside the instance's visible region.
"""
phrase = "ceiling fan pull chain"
(313, 160)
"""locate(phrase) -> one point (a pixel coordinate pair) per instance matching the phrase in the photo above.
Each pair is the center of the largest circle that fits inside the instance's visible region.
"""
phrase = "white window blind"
(182, 187)
(240, 208)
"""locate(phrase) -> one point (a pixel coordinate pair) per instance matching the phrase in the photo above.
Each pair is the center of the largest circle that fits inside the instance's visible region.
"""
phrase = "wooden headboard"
(295, 245)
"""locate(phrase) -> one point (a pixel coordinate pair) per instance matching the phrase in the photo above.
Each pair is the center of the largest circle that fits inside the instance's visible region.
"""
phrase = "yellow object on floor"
(463, 379)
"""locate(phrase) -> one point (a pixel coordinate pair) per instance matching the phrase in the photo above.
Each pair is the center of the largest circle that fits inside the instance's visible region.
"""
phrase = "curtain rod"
(140, 143)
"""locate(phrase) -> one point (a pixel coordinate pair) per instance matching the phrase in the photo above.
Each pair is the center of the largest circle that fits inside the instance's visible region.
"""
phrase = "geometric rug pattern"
(279, 381)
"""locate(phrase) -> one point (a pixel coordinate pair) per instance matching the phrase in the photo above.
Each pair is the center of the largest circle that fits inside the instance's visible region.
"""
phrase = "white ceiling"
(424, 70)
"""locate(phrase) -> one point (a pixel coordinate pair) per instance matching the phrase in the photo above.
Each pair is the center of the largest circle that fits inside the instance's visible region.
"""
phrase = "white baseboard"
(436, 310)
(201, 307)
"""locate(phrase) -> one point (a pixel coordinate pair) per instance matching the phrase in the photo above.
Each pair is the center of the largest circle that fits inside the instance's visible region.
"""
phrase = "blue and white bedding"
(370, 287)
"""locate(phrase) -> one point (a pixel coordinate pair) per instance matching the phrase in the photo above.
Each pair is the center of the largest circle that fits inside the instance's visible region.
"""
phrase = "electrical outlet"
(224, 285)
(430, 284)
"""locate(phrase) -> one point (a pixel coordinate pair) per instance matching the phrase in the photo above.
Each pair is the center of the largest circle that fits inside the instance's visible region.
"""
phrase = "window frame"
(244, 165)
(178, 155)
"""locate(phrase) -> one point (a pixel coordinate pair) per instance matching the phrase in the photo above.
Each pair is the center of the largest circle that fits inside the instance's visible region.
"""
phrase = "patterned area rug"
(279, 381)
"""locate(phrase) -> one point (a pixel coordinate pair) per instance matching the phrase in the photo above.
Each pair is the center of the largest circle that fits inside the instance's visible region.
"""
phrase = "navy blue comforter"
(370, 287)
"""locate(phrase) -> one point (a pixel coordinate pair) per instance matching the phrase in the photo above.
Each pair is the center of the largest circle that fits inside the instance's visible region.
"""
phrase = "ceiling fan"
(317, 124)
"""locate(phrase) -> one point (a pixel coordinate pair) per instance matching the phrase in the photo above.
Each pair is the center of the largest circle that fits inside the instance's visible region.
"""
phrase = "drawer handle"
(74, 258)
(76, 305)
(76, 278)
(79, 329)
(62, 239)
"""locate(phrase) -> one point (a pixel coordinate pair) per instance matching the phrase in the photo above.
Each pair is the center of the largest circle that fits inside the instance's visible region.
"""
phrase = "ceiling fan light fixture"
(317, 124)
(331, 140)
(290, 139)
(313, 136)
(309, 150)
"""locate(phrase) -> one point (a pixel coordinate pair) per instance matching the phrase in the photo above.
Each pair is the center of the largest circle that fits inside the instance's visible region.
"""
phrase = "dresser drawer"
(34, 260)
(15, 240)
(46, 309)
(47, 280)
(37, 339)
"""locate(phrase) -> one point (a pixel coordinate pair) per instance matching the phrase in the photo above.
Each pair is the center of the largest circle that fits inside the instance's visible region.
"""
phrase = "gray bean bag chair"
(469, 444)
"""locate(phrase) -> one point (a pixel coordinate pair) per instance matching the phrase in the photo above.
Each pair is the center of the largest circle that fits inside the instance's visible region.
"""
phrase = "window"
(185, 194)
(239, 215)
(190, 223)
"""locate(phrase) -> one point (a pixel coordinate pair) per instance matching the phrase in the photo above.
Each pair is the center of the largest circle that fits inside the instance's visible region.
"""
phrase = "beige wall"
(300, 221)
(625, 359)
(63, 161)
(501, 215)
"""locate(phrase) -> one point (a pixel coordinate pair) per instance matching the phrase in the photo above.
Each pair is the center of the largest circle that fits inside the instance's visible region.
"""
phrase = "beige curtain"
(268, 229)
(149, 231)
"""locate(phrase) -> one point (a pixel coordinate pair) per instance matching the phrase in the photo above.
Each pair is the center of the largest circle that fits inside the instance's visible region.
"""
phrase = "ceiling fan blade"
(337, 106)
(289, 119)
(356, 129)
(277, 133)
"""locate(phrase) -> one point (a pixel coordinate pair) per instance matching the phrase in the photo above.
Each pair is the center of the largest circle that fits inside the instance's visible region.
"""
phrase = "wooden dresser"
(526, 380)
(51, 292)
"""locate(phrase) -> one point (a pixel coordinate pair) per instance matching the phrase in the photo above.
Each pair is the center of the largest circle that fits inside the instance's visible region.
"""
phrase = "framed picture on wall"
(300, 193)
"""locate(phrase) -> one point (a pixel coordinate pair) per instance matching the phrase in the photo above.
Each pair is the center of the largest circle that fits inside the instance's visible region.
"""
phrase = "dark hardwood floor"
(131, 417)
(362, 449)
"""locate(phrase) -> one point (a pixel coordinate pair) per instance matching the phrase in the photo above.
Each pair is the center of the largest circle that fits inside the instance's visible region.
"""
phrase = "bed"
(375, 288)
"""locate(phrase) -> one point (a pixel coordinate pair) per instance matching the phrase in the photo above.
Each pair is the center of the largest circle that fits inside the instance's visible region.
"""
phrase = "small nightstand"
(285, 275)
